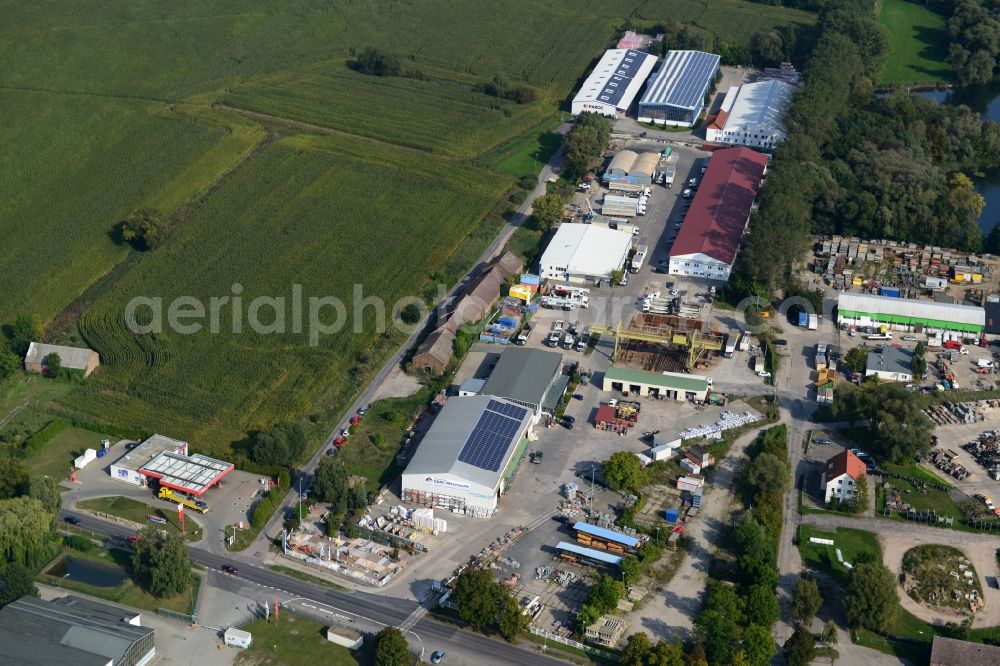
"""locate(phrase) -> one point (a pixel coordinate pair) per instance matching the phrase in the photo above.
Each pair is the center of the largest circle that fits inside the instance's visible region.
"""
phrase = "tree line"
(856, 164)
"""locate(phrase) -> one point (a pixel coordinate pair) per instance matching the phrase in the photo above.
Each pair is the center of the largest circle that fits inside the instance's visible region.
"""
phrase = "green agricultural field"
(326, 213)
(918, 43)
(439, 115)
(525, 155)
(72, 167)
(731, 21)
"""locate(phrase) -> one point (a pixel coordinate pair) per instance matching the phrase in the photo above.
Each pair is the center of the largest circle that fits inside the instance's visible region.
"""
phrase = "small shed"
(349, 638)
(237, 638)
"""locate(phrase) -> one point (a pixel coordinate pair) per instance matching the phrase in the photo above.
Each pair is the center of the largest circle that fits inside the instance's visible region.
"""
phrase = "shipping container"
(892, 292)
(803, 318)
(813, 322)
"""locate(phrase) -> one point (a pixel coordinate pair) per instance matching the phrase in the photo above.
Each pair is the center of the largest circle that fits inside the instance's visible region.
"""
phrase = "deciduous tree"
(391, 648)
(806, 600)
(476, 596)
(547, 210)
(623, 471)
(800, 648)
(759, 645)
(871, 600)
(768, 473)
(330, 482)
(637, 649)
(17, 582)
(160, 563)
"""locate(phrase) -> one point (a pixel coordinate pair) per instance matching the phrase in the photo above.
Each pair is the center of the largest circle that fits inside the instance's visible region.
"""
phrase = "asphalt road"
(463, 647)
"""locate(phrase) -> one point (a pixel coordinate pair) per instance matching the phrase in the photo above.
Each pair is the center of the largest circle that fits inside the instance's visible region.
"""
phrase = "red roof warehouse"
(713, 227)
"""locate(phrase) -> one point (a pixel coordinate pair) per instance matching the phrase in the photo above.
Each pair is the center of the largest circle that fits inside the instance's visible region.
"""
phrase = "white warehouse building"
(584, 252)
(676, 93)
(465, 459)
(614, 83)
(752, 115)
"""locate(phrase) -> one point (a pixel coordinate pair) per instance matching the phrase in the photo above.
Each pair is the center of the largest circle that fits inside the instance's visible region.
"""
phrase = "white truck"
(744, 341)
(668, 174)
(639, 258)
(731, 344)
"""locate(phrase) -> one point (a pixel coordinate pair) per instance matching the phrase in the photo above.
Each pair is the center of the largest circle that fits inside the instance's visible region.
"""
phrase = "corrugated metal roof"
(670, 380)
(616, 78)
(609, 535)
(590, 553)
(523, 374)
(587, 249)
(715, 223)
(439, 449)
(682, 80)
(760, 107)
(905, 307)
(75, 358)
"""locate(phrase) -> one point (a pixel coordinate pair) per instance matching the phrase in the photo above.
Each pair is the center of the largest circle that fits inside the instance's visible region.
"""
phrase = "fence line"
(174, 615)
(589, 649)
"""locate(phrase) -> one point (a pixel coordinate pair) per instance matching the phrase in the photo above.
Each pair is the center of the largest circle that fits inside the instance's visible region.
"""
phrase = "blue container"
(101, 452)
(506, 322)
(528, 278)
(889, 291)
(672, 515)
(803, 318)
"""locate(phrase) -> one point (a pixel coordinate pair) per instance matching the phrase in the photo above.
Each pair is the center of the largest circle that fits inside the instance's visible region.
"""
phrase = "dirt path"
(670, 612)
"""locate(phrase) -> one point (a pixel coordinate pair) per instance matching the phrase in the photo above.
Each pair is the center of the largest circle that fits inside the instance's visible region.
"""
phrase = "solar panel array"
(496, 428)
(627, 69)
(682, 79)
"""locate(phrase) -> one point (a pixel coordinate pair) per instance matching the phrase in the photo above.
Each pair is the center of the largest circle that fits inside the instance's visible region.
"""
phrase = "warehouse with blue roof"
(614, 83)
(676, 92)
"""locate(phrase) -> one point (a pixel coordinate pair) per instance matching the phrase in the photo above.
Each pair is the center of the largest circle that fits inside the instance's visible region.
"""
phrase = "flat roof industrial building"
(73, 631)
(524, 376)
(753, 115)
(614, 83)
(902, 314)
(166, 460)
(720, 211)
(670, 385)
(584, 252)
(467, 455)
(676, 92)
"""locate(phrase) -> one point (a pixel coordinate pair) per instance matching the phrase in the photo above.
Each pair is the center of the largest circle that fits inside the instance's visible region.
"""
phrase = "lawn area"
(371, 449)
(302, 575)
(292, 641)
(918, 43)
(56, 457)
(326, 197)
(927, 499)
(525, 155)
(137, 512)
(916, 471)
(127, 594)
(824, 558)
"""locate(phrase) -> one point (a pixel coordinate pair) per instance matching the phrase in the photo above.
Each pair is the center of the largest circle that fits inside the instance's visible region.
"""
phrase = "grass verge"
(289, 641)
(138, 512)
(301, 575)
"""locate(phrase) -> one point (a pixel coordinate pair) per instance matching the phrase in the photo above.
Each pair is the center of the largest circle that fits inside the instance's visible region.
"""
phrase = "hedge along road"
(260, 545)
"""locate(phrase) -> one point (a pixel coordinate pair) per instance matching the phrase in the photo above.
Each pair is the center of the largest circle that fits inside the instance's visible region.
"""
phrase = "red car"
(339, 442)
(355, 420)
(132, 538)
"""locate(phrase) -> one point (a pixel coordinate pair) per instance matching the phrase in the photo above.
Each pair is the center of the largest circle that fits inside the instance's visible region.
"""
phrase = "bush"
(80, 543)
(375, 62)
(45, 435)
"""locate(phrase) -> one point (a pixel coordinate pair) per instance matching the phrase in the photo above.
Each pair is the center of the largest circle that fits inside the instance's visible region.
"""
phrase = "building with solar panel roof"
(676, 92)
(614, 84)
(466, 459)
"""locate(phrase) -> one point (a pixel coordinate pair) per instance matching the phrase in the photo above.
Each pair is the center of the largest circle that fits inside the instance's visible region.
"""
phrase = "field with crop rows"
(323, 212)
(732, 21)
(439, 115)
(71, 168)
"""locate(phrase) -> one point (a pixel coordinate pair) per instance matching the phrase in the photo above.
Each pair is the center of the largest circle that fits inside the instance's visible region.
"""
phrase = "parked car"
(578, 396)
(584, 186)
(909, 338)
(345, 433)
(764, 373)
(132, 538)
(822, 441)
(331, 451)
(686, 193)
(567, 424)
(780, 342)
(362, 410)
(72, 520)
(569, 419)
(230, 569)
(437, 657)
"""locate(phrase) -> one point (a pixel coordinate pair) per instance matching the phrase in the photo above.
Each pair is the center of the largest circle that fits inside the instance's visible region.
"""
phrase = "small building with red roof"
(714, 226)
(840, 476)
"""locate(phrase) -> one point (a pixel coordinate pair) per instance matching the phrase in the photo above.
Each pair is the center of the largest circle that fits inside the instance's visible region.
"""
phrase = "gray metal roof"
(69, 630)
(74, 358)
(682, 80)
(890, 359)
(17, 650)
(523, 374)
(555, 392)
(618, 71)
(444, 443)
(952, 652)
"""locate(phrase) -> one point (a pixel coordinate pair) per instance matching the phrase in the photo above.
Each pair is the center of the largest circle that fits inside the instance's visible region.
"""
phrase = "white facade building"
(752, 115)
(465, 459)
(614, 83)
(840, 476)
(582, 252)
